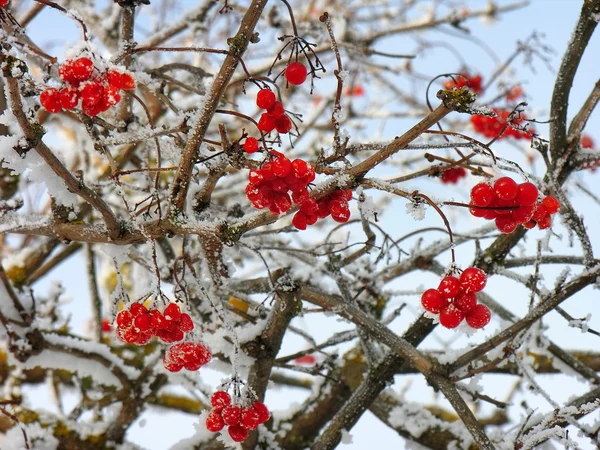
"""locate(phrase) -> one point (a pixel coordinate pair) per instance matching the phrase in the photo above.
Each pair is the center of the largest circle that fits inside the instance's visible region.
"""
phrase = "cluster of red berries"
(137, 325)
(296, 73)
(453, 174)
(311, 210)
(268, 186)
(511, 204)
(588, 143)
(239, 419)
(464, 79)
(275, 118)
(97, 94)
(455, 300)
(493, 126)
(188, 355)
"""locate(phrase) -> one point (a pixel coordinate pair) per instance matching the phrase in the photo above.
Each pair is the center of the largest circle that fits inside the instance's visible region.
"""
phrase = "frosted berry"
(465, 302)
(299, 220)
(124, 319)
(121, 80)
(545, 222)
(527, 194)
(232, 415)
(449, 287)
(506, 188)
(69, 97)
(479, 316)
(296, 73)
(137, 309)
(250, 418)
(433, 301)
(220, 399)
(262, 411)
(185, 323)
(143, 322)
(172, 312)
(482, 194)
(76, 70)
(51, 100)
(251, 145)
(214, 422)
(473, 279)
(91, 92)
(551, 204)
(451, 316)
(506, 224)
(238, 433)
(265, 98)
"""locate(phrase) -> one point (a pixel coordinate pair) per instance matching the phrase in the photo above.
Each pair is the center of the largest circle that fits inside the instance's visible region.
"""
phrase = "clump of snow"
(346, 437)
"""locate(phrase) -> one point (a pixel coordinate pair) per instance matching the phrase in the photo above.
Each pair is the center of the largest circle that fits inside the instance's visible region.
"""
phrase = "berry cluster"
(511, 204)
(188, 355)
(453, 174)
(311, 210)
(493, 126)
(472, 82)
(239, 419)
(137, 325)
(275, 118)
(97, 94)
(269, 186)
(514, 93)
(455, 300)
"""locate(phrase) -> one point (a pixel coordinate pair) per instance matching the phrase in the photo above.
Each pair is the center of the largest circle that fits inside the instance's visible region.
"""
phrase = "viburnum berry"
(283, 124)
(465, 301)
(586, 141)
(482, 194)
(506, 188)
(250, 418)
(299, 220)
(479, 316)
(172, 312)
(214, 422)
(453, 174)
(124, 319)
(238, 433)
(296, 73)
(514, 93)
(76, 70)
(433, 301)
(449, 287)
(545, 222)
(451, 316)
(121, 80)
(251, 145)
(474, 83)
(51, 100)
(266, 123)
(276, 110)
(527, 194)
(220, 399)
(265, 98)
(3, 3)
(263, 412)
(473, 279)
(551, 204)
(232, 415)
(69, 97)
(506, 224)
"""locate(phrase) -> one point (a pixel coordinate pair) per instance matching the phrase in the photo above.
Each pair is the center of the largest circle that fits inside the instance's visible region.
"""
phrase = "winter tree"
(283, 220)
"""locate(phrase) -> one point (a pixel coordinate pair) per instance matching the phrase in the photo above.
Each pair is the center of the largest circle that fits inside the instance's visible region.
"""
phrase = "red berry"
(311, 219)
(124, 319)
(299, 220)
(250, 418)
(479, 316)
(465, 302)
(220, 399)
(158, 320)
(143, 322)
(202, 354)
(309, 207)
(172, 312)
(3, 3)
(506, 188)
(283, 124)
(540, 212)
(238, 433)
(551, 204)
(451, 316)
(265, 98)
(529, 225)
(301, 196)
(262, 411)
(82, 69)
(587, 141)
(283, 202)
(296, 73)
(137, 308)
(185, 323)
(449, 287)
(276, 110)
(527, 194)
(111, 96)
(251, 145)
(506, 224)
(282, 167)
(300, 168)
(232, 415)
(127, 82)
(214, 422)
(323, 205)
(51, 100)
(545, 222)
(482, 194)
(433, 301)
(91, 92)
(69, 97)
(266, 123)
(473, 279)
(172, 366)
(522, 214)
